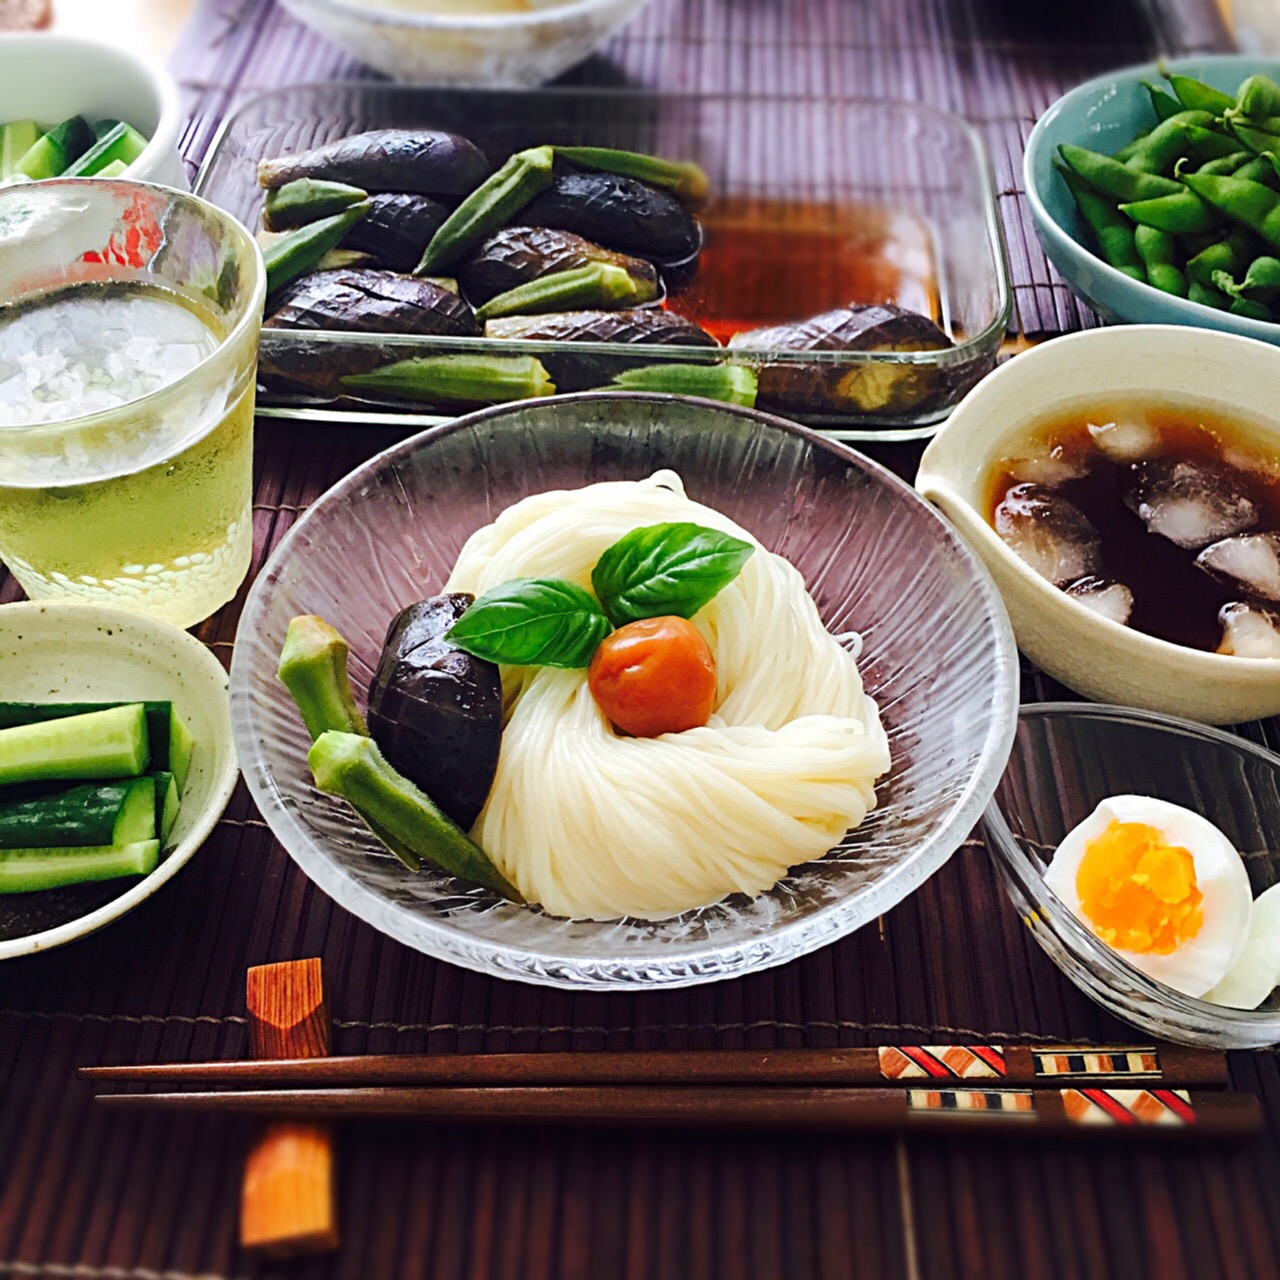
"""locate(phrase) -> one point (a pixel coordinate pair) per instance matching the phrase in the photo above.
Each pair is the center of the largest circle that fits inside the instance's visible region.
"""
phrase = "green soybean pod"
(1226, 164)
(1207, 296)
(1163, 103)
(1111, 178)
(1113, 232)
(1248, 203)
(1210, 144)
(1184, 214)
(1198, 96)
(1167, 143)
(1231, 254)
(1258, 97)
(1159, 255)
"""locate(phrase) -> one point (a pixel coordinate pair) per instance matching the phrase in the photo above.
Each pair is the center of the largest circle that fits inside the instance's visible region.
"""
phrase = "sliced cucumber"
(28, 870)
(100, 744)
(167, 802)
(60, 148)
(113, 170)
(123, 143)
(16, 139)
(103, 127)
(103, 813)
(171, 742)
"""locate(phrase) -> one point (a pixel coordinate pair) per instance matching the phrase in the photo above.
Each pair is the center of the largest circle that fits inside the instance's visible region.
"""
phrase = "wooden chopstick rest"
(902, 1065)
(287, 1204)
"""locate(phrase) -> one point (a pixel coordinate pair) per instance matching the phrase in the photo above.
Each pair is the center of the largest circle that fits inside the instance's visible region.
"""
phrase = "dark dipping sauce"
(1173, 598)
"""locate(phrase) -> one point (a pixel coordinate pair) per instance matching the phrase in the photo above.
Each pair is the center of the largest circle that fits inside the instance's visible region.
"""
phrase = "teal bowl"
(1104, 114)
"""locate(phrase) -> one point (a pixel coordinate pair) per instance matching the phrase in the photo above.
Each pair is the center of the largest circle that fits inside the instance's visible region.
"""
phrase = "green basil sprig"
(533, 622)
(666, 569)
(657, 571)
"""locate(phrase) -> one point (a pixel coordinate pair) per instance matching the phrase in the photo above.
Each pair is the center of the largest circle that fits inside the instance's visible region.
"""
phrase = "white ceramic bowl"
(50, 77)
(65, 652)
(488, 50)
(1091, 654)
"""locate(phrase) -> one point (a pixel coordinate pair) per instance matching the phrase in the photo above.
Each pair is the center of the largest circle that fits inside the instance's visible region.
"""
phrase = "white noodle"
(592, 824)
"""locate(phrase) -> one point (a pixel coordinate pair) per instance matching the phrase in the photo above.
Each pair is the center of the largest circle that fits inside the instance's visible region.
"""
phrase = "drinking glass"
(146, 503)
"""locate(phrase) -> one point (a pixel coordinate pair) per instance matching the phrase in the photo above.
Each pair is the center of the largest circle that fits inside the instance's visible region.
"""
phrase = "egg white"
(1201, 962)
(1256, 974)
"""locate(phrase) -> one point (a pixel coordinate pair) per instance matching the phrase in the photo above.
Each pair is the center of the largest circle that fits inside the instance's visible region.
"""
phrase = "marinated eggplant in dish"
(427, 161)
(395, 227)
(364, 301)
(871, 388)
(435, 711)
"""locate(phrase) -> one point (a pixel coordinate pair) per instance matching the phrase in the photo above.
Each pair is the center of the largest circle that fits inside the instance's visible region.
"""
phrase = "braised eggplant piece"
(363, 301)
(573, 371)
(436, 712)
(517, 255)
(396, 228)
(618, 212)
(872, 388)
(425, 161)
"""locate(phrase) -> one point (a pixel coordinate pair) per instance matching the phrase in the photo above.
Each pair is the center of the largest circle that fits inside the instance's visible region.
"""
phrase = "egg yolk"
(1138, 890)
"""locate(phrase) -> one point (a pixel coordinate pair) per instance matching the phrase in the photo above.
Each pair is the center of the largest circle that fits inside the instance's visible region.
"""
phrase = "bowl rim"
(199, 658)
(547, 967)
(938, 479)
(565, 11)
(1076, 936)
(163, 143)
(1098, 89)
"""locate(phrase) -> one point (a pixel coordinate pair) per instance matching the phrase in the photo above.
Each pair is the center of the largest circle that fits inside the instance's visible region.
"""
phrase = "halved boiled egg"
(1256, 974)
(1159, 884)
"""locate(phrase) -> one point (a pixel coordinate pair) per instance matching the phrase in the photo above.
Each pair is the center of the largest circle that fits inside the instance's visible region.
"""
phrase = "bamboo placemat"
(126, 1197)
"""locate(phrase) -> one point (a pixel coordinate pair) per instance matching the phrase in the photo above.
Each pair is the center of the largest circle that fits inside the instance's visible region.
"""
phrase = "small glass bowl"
(1066, 758)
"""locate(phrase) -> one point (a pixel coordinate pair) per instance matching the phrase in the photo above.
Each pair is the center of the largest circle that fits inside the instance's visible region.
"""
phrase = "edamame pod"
(1113, 232)
(1226, 164)
(1159, 255)
(1182, 215)
(1231, 254)
(1257, 98)
(1167, 143)
(1197, 96)
(1248, 203)
(1163, 103)
(1207, 296)
(1111, 178)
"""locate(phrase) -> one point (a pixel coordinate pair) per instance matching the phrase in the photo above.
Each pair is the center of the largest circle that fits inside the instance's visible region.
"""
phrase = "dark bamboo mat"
(124, 1197)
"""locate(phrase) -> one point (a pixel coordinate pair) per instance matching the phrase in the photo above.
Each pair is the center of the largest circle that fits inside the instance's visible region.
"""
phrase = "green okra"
(1195, 95)
(350, 766)
(297, 251)
(732, 383)
(1113, 232)
(1249, 204)
(491, 205)
(313, 667)
(457, 379)
(1111, 178)
(596, 285)
(1159, 255)
(306, 200)
(682, 178)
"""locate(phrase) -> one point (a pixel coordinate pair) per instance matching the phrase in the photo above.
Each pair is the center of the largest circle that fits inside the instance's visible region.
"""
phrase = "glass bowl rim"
(1003, 843)
(687, 967)
(565, 11)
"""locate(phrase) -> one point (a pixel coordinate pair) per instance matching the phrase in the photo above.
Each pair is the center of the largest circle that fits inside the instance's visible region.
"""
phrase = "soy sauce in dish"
(1169, 515)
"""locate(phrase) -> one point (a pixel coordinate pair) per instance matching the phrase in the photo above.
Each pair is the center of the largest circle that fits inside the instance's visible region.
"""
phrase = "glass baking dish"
(814, 204)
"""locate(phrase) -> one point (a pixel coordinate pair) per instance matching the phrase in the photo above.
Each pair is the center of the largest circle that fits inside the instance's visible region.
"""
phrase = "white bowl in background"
(73, 652)
(47, 78)
(1101, 659)
(516, 50)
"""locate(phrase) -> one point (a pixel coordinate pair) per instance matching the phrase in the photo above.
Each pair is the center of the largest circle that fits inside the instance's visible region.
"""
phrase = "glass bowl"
(938, 656)
(1067, 757)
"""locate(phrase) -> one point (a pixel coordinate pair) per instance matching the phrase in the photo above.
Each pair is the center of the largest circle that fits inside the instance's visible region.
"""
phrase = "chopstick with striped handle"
(1078, 1112)
(888, 1065)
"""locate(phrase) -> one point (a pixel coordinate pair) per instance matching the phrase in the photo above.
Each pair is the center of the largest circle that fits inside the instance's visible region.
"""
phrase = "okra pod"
(297, 251)
(306, 200)
(683, 178)
(491, 205)
(351, 767)
(313, 667)
(597, 285)
(731, 383)
(457, 379)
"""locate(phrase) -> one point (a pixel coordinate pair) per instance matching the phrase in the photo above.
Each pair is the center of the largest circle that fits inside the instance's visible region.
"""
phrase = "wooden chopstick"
(1164, 1064)
(1074, 1112)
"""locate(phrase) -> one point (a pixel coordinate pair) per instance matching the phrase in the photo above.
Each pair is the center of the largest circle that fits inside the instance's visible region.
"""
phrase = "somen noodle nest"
(593, 824)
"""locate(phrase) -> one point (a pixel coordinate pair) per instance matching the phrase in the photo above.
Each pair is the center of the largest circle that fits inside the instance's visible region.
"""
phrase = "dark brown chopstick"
(1067, 1112)
(909, 1065)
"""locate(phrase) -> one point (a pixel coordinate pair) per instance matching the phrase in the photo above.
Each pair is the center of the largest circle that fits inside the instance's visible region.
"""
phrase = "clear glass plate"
(938, 656)
(815, 204)
(1068, 756)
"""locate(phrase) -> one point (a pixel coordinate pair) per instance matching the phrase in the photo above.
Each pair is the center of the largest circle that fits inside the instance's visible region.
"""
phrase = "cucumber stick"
(28, 870)
(121, 143)
(166, 804)
(98, 744)
(171, 742)
(100, 814)
(16, 139)
(60, 148)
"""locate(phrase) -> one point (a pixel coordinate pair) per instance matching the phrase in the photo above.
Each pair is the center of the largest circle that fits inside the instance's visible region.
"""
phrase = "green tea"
(145, 504)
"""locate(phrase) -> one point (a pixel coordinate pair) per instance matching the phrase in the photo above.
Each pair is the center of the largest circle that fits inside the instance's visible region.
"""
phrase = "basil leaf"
(666, 569)
(532, 622)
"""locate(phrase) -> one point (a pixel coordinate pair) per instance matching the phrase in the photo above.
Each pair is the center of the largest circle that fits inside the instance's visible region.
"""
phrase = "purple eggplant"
(363, 301)
(396, 228)
(426, 161)
(436, 712)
